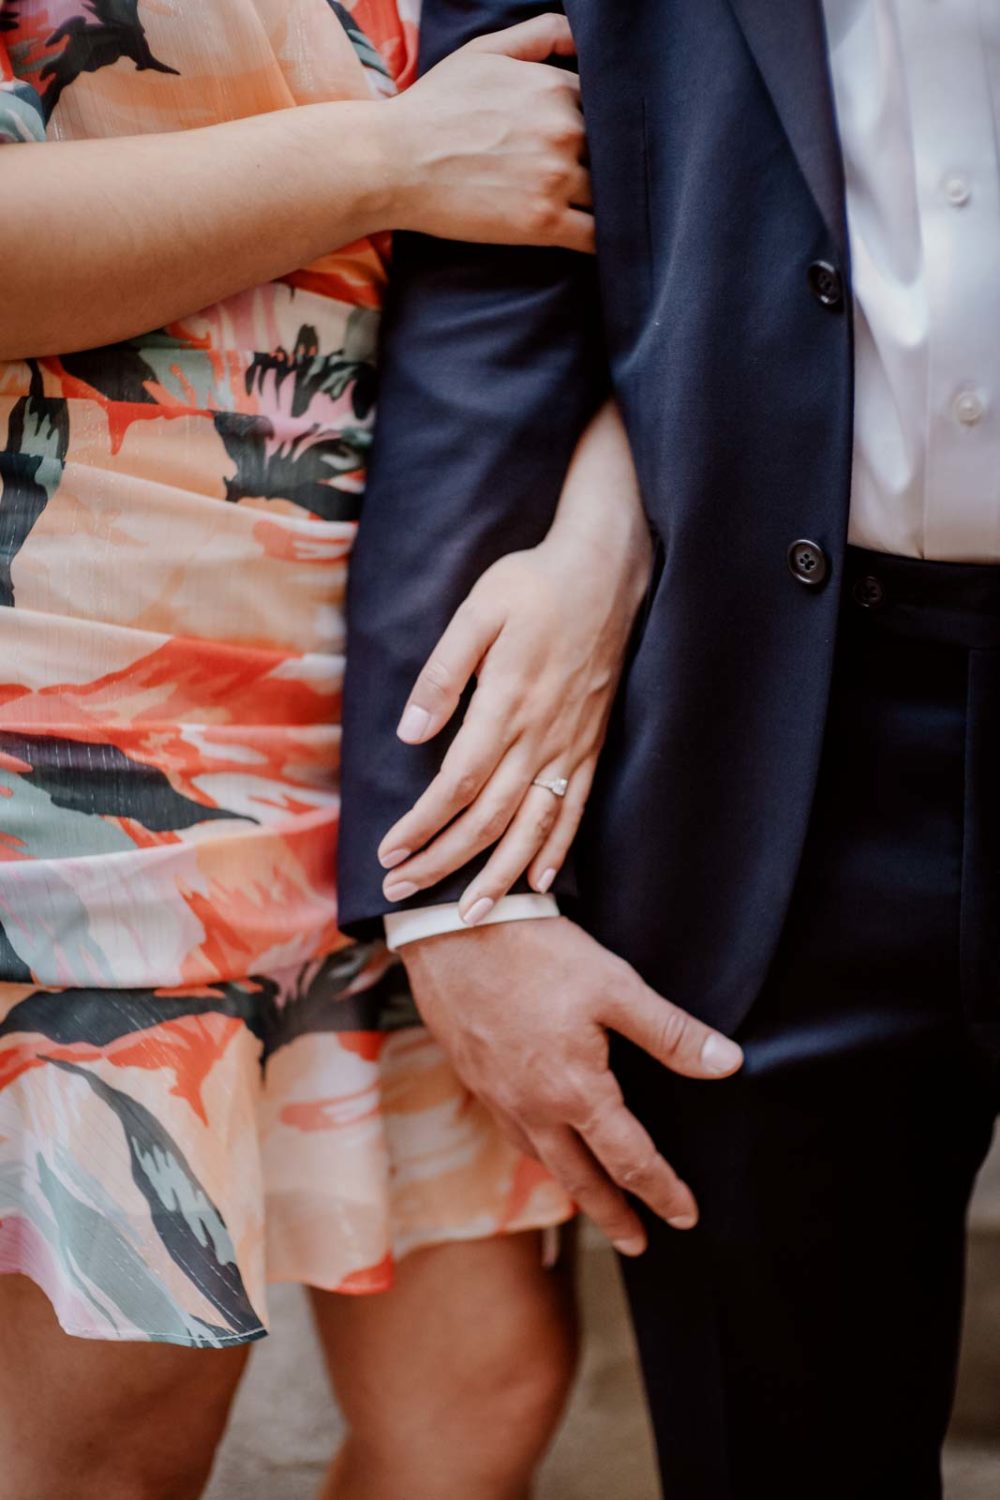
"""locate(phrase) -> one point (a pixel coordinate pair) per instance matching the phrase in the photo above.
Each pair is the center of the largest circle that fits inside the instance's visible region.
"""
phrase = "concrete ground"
(285, 1425)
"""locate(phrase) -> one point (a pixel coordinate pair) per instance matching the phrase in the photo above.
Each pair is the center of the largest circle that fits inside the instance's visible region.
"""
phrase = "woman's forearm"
(102, 240)
(601, 521)
(546, 633)
(113, 238)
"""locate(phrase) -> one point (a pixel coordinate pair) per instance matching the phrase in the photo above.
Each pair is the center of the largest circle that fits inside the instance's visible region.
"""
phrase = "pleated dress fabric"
(204, 1087)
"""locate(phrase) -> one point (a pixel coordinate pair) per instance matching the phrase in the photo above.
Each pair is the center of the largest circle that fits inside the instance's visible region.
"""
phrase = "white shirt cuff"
(402, 927)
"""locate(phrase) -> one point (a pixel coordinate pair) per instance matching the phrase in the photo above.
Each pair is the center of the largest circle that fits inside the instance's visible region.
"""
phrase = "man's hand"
(523, 1010)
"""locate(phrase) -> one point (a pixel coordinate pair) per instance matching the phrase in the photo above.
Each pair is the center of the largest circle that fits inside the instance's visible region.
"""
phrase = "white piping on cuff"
(402, 927)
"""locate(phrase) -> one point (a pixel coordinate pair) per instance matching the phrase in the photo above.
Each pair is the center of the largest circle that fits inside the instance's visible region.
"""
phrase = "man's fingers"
(512, 1131)
(628, 1155)
(438, 690)
(586, 1182)
(532, 41)
(669, 1034)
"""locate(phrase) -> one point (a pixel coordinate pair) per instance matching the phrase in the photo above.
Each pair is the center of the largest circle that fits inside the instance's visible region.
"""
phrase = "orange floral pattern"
(203, 1085)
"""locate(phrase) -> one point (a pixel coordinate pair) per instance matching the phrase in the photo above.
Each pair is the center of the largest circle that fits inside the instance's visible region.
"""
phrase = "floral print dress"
(203, 1086)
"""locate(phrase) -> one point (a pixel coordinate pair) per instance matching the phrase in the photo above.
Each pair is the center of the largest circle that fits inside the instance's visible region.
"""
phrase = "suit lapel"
(788, 41)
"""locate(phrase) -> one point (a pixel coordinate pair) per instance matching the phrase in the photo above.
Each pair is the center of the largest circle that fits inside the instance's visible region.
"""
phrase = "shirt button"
(826, 284)
(957, 191)
(969, 408)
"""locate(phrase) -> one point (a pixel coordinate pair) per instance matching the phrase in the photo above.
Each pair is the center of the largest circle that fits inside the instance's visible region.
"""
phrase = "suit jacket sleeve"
(492, 364)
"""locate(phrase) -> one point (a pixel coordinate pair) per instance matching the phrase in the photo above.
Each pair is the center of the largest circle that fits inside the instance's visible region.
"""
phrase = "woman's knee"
(491, 1395)
(114, 1467)
(129, 1456)
(480, 1428)
(104, 1421)
(104, 1475)
(507, 1417)
(520, 1375)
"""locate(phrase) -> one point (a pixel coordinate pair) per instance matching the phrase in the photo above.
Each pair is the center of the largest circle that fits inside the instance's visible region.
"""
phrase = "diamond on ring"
(559, 786)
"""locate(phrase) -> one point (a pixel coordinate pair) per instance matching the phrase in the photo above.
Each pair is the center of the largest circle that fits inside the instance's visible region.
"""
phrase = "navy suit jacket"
(718, 189)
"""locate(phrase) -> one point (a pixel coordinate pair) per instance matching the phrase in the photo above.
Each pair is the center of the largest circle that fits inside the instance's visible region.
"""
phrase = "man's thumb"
(675, 1038)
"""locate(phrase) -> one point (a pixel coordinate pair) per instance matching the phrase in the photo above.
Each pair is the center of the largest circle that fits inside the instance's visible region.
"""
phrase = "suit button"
(826, 283)
(808, 563)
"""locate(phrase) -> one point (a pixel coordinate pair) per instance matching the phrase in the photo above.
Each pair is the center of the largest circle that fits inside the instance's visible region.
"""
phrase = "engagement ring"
(558, 787)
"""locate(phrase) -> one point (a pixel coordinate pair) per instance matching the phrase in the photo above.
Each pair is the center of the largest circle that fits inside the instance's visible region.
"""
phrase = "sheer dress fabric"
(204, 1087)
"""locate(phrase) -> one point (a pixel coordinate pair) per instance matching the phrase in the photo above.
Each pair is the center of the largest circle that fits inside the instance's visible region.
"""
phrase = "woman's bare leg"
(453, 1383)
(104, 1421)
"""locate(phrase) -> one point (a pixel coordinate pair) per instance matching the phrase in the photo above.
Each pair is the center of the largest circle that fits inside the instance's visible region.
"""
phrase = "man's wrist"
(403, 927)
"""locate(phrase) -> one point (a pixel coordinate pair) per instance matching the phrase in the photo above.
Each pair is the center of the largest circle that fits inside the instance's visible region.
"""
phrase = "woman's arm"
(103, 240)
(546, 632)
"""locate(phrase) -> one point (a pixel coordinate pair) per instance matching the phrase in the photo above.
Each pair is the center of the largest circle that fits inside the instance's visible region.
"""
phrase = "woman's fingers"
(580, 193)
(438, 690)
(529, 831)
(576, 230)
(532, 41)
(591, 1189)
(482, 825)
(485, 738)
(549, 860)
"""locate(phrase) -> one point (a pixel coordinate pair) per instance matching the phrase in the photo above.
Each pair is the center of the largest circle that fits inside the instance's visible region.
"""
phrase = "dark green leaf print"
(31, 466)
(187, 1221)
(90, 44)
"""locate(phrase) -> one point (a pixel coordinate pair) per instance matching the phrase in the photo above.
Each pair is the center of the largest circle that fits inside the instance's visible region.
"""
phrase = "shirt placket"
(958, 185)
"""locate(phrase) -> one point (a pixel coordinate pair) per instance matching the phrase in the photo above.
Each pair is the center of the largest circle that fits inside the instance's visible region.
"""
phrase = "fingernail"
(476, 913)
(545, 883)
(634, 1246)
(683, 1221)
(720, 1056)
(402, 890)
(413, 724)
(393, 858)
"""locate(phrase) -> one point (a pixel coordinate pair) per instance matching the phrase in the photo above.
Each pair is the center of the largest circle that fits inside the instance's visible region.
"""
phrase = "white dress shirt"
(917, 91)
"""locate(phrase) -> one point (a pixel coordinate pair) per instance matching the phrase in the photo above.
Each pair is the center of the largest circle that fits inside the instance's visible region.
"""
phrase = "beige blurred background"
(285, 1425)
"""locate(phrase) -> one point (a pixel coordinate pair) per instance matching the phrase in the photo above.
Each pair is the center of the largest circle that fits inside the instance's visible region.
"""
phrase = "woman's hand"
(545, 631)
(489, 146)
